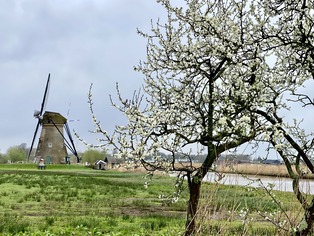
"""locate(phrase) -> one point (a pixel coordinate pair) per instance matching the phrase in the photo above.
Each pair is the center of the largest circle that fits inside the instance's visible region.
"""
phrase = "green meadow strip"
(75, 200)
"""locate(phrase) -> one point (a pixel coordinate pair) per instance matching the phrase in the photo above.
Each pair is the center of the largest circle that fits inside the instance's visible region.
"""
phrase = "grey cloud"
(78, 42)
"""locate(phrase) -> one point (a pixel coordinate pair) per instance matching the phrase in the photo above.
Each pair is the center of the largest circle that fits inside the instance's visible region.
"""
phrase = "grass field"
(75, 200)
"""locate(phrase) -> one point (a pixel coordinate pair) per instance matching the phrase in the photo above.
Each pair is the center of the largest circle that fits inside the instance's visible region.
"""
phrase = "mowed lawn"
(76, 200)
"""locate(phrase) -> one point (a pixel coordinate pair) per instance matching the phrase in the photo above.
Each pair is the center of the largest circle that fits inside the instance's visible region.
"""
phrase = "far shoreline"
(262, 170)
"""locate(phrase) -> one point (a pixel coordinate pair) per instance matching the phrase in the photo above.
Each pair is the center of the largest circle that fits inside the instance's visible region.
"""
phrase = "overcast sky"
(79, 42)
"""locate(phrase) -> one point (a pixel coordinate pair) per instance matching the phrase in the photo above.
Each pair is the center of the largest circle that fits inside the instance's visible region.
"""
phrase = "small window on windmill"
(50, 145)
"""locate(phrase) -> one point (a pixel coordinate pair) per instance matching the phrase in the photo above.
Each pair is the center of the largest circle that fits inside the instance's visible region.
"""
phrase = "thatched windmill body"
(55, 137)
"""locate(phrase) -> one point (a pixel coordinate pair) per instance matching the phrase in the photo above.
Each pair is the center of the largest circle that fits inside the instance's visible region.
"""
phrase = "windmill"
(53, 144)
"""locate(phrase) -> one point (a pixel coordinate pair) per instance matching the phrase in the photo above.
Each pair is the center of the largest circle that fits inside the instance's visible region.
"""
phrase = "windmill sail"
(38, 114)
(52, 145)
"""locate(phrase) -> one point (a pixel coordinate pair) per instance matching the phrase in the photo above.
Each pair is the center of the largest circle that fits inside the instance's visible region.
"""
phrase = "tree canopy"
(218, 74)
(16, 153)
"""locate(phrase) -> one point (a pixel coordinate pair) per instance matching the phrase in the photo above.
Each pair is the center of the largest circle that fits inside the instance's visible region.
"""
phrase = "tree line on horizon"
(18, 154)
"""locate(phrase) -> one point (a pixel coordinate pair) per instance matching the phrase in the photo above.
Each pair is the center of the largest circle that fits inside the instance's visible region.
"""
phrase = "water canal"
(277, 183)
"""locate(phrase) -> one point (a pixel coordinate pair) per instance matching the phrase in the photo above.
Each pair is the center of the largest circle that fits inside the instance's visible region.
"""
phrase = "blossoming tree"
(204, 69)
(217, 75)
(288, 35)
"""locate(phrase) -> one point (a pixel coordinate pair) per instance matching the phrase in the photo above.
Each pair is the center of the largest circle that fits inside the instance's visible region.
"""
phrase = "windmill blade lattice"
(38, 114)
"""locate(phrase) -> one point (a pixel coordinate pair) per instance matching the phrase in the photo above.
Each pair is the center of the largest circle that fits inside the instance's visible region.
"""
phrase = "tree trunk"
(194, 186)
(305, 226)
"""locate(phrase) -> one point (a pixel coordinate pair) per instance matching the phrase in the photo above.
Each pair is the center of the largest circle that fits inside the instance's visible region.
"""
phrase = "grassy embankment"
(262, 170)
(75, 200)
(259, 169)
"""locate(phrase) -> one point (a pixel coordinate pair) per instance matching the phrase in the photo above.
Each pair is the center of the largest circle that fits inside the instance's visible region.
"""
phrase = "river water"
(277, 183)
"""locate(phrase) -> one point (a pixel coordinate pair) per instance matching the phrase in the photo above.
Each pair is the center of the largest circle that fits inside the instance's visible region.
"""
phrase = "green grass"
(64, 199)
(75, 200)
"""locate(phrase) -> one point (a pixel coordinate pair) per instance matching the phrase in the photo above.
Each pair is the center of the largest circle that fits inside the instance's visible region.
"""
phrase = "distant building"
(100, 165)
(271, 162)
(113, 161)
(231, 159)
